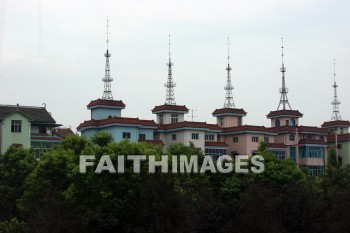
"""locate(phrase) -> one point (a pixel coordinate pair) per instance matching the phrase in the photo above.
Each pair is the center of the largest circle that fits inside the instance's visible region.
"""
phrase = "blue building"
(106, 116)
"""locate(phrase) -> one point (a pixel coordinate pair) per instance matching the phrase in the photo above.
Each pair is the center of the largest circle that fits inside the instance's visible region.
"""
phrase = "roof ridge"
(21, 106)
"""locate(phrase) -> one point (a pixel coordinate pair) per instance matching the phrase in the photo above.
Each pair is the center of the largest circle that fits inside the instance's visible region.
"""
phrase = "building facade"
(27, 126)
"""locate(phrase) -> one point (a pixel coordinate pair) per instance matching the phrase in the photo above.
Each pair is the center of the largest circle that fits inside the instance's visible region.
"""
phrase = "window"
(280, 154)
(239, 121)
(322, 138)
(161, 119)
(235, 139)
(16, 126)
(309, 137)
(315, 170)
(311, 152)
(255, 139)
(209, 137)
(173, 137)
(277, 123)
(215, 153)
(142, 136)
(292, 137)
(42, 129)
(174, 118)
(292, 153)
(127, 135)
(292, 122)
(195, 136)
(266, 139)
(221, 121)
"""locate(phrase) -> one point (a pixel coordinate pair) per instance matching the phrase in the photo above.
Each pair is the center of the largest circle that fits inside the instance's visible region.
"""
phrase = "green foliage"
(75, 143)
(51, 195)
(15, 165)
(332, 159)
(13, 226)
(181, 149)
(102, 138)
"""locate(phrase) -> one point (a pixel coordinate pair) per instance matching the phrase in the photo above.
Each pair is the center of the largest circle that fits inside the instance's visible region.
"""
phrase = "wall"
(245, 145)
(103, 113)
(283, 121)
(167, 117)
(117, 132)
(229, 121)
(198, 143)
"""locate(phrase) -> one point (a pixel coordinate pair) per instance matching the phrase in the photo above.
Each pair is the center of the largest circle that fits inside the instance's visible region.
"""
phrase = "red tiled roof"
(113, 103)
(340, 137)
(238, 111)
(312, 141)
(301, 129)
(284, 112)
(246, 128)
(217, 144)
(276, 145)
(154, 142)
(164, 107)
(336, 123)
(117, 120)
(189, 124)
(42, 138)
(63, 132)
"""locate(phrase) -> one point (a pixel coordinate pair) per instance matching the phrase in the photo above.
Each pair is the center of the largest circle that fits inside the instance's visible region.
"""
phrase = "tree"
(75, 143)
(15, 165)
(102, 138)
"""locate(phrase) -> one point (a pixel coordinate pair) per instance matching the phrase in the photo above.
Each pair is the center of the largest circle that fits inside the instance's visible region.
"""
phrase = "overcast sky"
(52, 52)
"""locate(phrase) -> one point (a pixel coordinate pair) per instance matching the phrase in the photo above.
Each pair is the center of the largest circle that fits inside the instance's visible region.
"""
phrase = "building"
(172, 127)
(338, 130)
(285, 136)
(339, 139)
(106, 115)
(27, 126)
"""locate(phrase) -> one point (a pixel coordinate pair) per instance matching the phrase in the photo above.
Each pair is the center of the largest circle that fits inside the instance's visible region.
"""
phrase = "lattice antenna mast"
(107, 79)
(229, 96)
(336, 114)
(170, 97)
(284, 90)
(193, 111)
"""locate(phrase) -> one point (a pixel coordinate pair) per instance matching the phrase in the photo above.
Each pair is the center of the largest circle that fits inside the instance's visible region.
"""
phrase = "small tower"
(107, 79)
(284, 90)
(283, 116)
(336, 114)
(229, 115)
(169, 112)
(229, 96)
(170, 97)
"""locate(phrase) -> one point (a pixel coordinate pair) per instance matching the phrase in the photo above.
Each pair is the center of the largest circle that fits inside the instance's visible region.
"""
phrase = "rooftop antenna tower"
(170, 97)
(107, 79)
(193, 115)
(284, 90)
(336, 114)
(229, 96)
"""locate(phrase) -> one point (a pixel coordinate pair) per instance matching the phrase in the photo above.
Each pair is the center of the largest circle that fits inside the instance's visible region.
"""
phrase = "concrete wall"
(344, 151)
(185, 137)
(167, 117)
(228, 121)
(283, 121)
(117, 132)
(103, 113)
